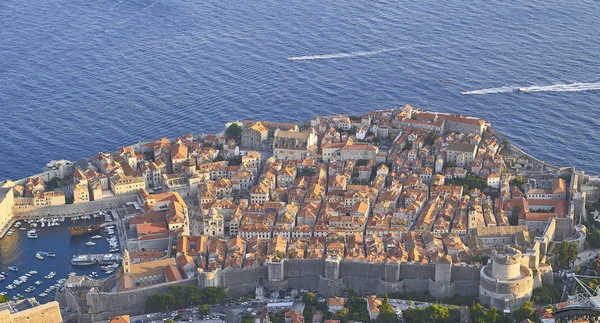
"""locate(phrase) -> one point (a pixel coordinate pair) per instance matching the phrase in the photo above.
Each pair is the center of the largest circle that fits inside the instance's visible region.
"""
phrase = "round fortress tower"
(506, 265)
(505, 283)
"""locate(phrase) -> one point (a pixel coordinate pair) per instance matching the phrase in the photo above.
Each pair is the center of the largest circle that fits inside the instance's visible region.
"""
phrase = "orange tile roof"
(120, 319)
(172, 273)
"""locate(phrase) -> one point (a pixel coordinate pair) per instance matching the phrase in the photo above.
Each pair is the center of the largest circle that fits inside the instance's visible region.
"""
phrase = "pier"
(92, 259)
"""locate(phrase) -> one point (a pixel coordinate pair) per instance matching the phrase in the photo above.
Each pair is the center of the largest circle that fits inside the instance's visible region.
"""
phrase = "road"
(218, 314)
(586, 256)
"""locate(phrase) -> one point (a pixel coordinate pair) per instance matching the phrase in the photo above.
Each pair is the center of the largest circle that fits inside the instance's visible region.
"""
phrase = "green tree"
(194, 295)
(204, 309)
(386, 312)
(342, 315)
(525, 312)
(308, 314)
(492, 315)
(310, 299)
(213, 295)
(593, 238)
(416, 315)
(572, 253)
(3, 299)
(169, 321)
(233, 131)
(168, 301)
(514, 218)
(437, 313)
(277, 318)
(476, 312)
(248, 318)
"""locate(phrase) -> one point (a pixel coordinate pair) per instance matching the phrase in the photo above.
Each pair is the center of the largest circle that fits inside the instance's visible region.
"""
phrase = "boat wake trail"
(350, 54)
(337, 55)
(503, 89)
(573, 87)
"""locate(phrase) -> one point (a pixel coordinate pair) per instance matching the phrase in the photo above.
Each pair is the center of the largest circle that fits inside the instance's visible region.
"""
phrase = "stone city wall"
(413, 270)
(465, 272)
(102, 306)
(362, 277)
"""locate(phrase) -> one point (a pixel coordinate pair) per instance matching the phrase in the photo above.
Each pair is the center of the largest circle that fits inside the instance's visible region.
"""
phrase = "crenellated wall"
(328, 278)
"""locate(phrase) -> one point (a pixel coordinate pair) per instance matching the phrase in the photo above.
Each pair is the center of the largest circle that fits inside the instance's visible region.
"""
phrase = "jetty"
(92, 259)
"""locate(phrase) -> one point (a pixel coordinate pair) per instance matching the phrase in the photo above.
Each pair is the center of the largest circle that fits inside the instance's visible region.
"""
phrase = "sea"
(80, 77)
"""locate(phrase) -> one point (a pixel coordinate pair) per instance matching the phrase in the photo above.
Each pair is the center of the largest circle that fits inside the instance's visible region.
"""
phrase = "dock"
(91, 259)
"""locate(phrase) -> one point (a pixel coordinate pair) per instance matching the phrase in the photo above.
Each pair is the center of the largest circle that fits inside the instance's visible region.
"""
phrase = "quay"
(92, 259)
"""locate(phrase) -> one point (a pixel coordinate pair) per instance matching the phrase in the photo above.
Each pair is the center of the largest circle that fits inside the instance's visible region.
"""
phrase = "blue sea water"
(19, 250)
(78, 77)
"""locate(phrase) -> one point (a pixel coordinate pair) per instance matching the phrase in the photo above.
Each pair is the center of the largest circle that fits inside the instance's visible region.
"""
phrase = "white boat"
(71, 274)
(10, 233)
(43, 224)
(43, 295)
(38, 256)
(32, 235)
(38, 283)
(11, 286)
(34, 224)
(96, 237)
(33, 272)
(89, 243)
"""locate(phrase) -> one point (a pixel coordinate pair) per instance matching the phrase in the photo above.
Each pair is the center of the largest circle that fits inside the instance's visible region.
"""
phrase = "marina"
(49, 241)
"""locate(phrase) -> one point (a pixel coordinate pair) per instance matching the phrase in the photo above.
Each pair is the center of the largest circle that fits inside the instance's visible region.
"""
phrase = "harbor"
(38, 255)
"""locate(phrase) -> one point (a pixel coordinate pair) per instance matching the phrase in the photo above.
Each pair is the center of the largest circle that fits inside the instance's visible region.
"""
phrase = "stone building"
(505, 283)
(462, 154)
(142, 274)
(253, 137)
(29, 310)
(214, 224)
(293, 145)
(7, 201)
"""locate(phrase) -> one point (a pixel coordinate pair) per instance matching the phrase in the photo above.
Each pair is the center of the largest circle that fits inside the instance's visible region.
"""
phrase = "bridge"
(577, 311)
(584, 305)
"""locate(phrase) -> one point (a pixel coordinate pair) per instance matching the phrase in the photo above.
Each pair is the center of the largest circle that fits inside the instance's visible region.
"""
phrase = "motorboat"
(13, 268)
(89, 243)
(33, 272)
(38, 256)
(97, 237)
(51, 254)
(43, 295)
(38, 283)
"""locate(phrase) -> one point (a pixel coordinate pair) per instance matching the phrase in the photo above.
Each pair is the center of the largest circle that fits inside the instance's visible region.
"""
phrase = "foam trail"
(351, 54)
(573, 87)
(502, 89)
